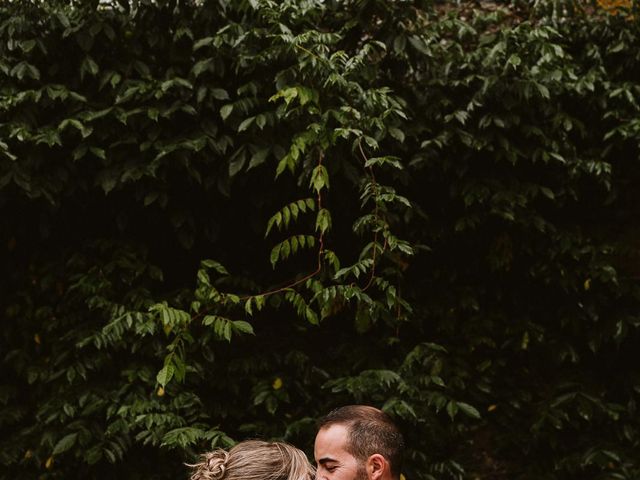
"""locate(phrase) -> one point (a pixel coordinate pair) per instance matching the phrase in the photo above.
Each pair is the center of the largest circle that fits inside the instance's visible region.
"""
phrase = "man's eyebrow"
(324, 460)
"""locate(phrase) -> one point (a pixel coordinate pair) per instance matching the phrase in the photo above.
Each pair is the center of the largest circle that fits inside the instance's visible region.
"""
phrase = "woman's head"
(254, 460)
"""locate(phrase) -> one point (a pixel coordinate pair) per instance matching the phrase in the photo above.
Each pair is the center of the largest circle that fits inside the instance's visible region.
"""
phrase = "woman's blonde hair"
(254, 460)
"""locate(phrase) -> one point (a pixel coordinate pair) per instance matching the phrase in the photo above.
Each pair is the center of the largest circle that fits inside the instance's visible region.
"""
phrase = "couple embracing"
(355, 442)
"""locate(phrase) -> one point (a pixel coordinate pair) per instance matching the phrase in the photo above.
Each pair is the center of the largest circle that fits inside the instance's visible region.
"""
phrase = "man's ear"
(377, 467)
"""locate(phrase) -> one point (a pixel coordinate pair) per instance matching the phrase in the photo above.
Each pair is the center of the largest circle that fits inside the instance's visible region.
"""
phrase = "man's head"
(358, 442)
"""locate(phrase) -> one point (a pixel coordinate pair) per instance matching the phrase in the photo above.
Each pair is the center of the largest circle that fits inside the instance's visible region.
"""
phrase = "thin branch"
(375, 213)
(319, 256)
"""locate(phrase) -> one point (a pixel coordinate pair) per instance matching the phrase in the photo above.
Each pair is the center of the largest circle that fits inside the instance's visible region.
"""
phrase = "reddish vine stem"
(375, 213)
(300, 280)
(320, 253)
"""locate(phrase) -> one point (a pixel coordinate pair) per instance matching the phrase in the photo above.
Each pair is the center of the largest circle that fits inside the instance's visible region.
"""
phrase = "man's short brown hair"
(370, 431)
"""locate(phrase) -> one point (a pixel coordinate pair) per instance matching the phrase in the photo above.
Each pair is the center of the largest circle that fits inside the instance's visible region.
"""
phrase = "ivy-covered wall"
(221, 219)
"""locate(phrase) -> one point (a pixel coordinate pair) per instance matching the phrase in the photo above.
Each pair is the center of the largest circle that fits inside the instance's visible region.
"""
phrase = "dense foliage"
(221, 219)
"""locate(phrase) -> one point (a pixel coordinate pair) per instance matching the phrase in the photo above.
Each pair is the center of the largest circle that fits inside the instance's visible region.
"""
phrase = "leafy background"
(221, 219)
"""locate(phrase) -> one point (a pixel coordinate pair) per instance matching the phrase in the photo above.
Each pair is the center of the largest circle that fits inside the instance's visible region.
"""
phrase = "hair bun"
(212, 467)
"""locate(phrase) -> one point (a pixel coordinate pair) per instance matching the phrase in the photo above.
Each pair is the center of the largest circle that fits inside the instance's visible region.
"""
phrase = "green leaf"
(209, 320)
(182, 437)
(288, 94)
(165, 375)
(514, 60)
(108, 181)
(397, 134)
(90, 65)
(217, 266)
(311, 204)
(27, 45)
(226, 110)
(248, 306)
(203, 42)
(219, 94)
(235, 166)
(547, 192)
(452, 409)
(242, 326)
(246, 124)
(258, 158)
(468, 410)
(319, 178)
(98, 152)
(544, 91)
(202, 66)
(275, 254)
(323, 220)
(65, 443)
(285, 250)
(387, 160)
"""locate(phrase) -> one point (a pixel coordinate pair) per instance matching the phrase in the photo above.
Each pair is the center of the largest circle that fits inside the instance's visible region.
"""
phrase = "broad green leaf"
(226, 110)
(275, 254)
(452, 409)
(165, 375)
(468, 410)
(242, 326)
(203, 42)
(217, 266)
(246, 123)
(65, 443)
(323, 220)
(219, 94)
(319, 178)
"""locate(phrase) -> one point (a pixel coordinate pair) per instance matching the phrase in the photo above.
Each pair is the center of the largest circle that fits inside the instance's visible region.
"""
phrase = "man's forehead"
(331, 447)
(334, 433)
(331, 440)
